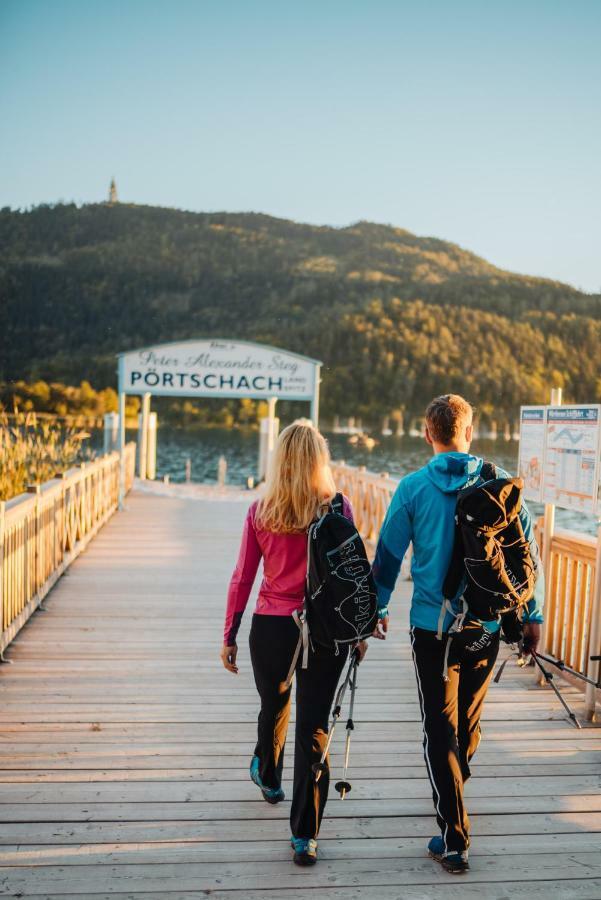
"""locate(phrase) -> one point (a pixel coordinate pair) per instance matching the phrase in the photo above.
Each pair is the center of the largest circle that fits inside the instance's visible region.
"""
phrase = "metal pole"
(548, 532)
(121, 439)
(590, 699)
(315, 400)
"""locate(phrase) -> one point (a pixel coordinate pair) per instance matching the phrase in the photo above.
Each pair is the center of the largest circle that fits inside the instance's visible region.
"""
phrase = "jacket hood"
(451, 472)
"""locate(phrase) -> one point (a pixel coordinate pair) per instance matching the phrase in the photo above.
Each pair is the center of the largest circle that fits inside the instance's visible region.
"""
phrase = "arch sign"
(217, 368)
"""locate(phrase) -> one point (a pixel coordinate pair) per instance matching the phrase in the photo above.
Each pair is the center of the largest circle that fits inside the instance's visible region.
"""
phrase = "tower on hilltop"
(113, 192)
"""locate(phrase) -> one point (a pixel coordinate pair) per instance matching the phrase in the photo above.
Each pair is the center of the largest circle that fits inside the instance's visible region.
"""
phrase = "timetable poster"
(571, 474)
(531, 458)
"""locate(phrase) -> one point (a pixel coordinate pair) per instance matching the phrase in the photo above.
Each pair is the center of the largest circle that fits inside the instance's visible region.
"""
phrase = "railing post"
(36, 489)
(2, 570)
(594, 645)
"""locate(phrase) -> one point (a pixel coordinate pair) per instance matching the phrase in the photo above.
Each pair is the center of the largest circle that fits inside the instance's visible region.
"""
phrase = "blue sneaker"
(305, 851)
(454, 862)
(272, 795)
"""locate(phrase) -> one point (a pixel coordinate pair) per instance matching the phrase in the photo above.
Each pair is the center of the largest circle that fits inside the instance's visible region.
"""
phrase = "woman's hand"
(381, 629)
(228, 657)
(361, 650)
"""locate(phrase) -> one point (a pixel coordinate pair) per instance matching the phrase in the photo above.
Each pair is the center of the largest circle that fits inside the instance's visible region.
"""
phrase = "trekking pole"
(344, 787)
(320, 767)
(560, 664)
(548, 676)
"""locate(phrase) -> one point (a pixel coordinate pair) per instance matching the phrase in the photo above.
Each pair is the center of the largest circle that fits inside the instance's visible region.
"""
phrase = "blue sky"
(476, 122)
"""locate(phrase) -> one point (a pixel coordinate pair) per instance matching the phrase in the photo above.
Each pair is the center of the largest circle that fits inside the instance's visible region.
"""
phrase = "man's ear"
(469, 433)
(428, 437)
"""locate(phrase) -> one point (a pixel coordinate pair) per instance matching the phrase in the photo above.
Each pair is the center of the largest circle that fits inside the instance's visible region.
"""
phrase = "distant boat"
(347, 429)
(362, 440)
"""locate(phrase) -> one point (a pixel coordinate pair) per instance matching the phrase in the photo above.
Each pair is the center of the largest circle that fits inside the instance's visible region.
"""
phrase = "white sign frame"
(532, 445)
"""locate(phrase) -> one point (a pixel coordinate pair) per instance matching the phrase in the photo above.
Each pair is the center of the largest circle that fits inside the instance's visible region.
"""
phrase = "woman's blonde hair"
(299, 480)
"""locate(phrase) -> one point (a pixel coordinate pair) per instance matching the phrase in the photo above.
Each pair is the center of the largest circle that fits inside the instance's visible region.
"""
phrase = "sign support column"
(121, 435)
(315, 400)
(143, 437)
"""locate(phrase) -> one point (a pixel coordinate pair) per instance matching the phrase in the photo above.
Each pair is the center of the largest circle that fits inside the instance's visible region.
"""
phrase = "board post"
(548, 532)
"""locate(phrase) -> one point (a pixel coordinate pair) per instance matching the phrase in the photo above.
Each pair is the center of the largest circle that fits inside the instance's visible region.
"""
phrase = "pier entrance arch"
(219, 368)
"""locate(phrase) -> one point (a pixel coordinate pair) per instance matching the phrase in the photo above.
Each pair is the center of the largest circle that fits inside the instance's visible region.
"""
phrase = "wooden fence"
(572, 604)
(369, 494)
(45, 529)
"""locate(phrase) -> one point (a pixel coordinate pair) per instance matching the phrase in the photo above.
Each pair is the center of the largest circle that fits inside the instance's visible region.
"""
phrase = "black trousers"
(451, 713)
(272, 643)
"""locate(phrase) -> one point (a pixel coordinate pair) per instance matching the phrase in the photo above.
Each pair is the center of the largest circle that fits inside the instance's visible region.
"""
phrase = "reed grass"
(33, 451)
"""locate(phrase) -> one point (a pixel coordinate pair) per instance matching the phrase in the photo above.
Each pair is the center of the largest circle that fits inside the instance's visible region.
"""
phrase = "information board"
(531, 460)
(571, 468)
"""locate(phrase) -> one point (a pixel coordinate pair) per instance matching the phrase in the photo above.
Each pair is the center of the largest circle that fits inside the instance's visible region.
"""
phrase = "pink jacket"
(284, 570)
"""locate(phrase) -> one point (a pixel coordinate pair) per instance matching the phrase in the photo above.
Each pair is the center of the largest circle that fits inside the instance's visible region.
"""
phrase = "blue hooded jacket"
(422, 511)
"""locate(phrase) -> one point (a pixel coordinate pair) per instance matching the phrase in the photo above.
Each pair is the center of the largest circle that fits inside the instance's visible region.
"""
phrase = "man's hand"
(228, 657)
(381, 629)
(532, 636)
(361, 650)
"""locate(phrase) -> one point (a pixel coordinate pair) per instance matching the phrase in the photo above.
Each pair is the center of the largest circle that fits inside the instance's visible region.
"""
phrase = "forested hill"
(396, 318)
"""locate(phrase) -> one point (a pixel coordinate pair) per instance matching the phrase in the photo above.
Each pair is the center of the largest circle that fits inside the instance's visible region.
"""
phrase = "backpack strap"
(300, 620)
(337, 503)
(488, 471)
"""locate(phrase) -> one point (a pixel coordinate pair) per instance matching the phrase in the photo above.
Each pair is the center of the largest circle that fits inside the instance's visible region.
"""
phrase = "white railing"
(572, 629)
(369, 494)
(45, 529)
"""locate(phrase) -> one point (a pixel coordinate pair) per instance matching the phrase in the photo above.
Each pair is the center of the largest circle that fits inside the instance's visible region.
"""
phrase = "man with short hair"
(453, 677)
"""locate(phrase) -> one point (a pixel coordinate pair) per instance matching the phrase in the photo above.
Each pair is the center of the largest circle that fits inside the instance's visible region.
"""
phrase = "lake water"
(395, 455)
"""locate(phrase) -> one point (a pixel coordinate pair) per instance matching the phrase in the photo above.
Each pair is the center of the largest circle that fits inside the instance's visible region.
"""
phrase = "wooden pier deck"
(125, 750)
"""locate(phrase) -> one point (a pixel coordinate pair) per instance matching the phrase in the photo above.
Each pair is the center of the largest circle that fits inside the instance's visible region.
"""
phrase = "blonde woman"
(299, 487)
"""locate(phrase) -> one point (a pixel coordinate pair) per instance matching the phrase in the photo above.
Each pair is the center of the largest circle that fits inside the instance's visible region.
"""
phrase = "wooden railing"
(369, 494)
(572, 630)
(44, 530)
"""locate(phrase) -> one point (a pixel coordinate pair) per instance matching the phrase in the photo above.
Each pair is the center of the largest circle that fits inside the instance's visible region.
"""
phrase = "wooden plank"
(242, 791)
(226, 851)
(575, 889)
(366, 828)
(251, 810)
(250, 875)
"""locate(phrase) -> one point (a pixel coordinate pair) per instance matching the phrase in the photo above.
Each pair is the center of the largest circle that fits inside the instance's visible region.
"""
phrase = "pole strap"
(300, 619)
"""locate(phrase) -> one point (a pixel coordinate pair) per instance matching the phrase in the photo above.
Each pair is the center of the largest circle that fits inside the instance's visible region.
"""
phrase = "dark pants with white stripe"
(272, 641)
(451, 713)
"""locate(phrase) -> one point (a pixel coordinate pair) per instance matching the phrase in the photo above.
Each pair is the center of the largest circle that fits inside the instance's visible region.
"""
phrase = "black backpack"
(490, 550)
(340, 594)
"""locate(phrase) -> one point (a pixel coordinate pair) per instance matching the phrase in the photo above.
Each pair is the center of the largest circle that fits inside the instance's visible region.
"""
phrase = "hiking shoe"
(454, 862)
(305, 851)
(272, 795)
